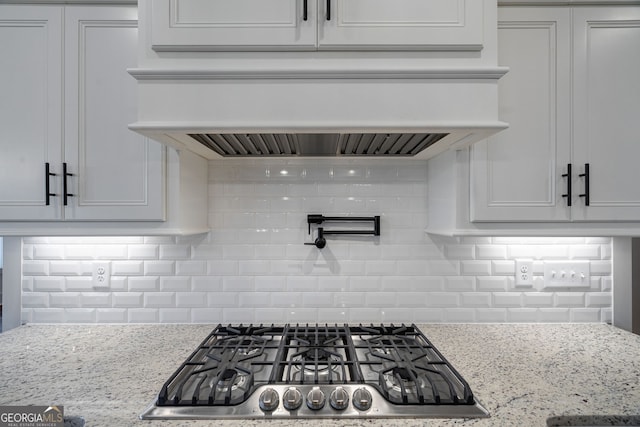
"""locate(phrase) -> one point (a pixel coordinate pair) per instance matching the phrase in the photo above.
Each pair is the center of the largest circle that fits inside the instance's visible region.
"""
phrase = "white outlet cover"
(524, 272)
(101, 274)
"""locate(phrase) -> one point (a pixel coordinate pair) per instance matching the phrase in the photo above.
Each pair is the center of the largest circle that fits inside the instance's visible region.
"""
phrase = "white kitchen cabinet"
(606, 111)
(236, 25)
(67, 101)
(117, 174)
(30, 110)
(516, 175)
(562, 115)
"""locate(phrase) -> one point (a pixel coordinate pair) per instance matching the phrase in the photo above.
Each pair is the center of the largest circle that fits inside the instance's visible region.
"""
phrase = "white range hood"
(368, 102)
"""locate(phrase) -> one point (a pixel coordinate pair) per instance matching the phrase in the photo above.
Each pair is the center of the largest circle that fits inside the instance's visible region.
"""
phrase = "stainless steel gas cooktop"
(317, 371)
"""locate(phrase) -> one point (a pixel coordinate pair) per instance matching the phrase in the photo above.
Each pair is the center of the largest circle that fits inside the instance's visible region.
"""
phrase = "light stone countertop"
(522, 373)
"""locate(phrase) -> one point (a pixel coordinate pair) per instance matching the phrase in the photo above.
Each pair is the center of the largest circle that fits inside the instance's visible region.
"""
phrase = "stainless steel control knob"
(362, 399)
(315, 399)
(292, 399)
(269, 400)
(339, 399)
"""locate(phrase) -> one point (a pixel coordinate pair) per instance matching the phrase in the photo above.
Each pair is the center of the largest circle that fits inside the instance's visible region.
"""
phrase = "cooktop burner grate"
(362, 371)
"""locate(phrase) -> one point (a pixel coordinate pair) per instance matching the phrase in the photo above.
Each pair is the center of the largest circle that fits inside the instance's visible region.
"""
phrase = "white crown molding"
(568, 2)
(490, 73)
(74, 2)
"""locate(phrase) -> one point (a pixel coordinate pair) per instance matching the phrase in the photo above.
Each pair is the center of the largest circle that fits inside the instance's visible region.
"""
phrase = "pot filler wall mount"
(320, 241)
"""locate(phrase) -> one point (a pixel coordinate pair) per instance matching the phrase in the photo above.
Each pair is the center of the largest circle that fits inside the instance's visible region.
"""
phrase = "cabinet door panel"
(607, 111)
(516, 175)
(232, 25)
(30, 111)
(118, 174)
(401, 24)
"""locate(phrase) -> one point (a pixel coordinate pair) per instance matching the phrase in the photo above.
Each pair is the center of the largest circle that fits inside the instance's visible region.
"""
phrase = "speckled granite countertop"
(522, 373)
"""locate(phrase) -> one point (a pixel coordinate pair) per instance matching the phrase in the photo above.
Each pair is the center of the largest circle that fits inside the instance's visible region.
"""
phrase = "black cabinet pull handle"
(568, 176)
(65, 193)
(305, 10)
(47, 184)
(586, 194)
(328, 10)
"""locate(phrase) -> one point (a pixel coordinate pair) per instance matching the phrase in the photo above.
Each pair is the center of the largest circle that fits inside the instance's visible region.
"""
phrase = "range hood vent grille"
(352, 144)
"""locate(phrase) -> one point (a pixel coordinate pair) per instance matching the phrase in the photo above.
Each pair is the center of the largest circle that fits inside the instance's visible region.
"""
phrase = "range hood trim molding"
(466, 73)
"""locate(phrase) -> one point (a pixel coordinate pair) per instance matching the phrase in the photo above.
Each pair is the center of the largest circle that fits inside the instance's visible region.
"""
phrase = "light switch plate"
(524, 272)
(567, 274)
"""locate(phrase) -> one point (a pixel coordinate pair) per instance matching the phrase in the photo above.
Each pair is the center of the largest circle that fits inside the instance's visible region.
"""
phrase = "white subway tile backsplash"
(191, 299)
(459, 315)
(598, 299)
(80, 315)
(557, 315)
(159, 299)
(155, 268)
(127, 299)
(497, 284)
(538, 299)
(48, 284)
(144, 252)
(507, 299)
(48, 252)
(127, 268)
(143, 315)
(178, 284)
(175, 315)
(48, 315)
(475, 299)
(476, 268)
(96, 299)
(522, 315)
(253, 266)
(111, 315)
(491, 315)
(587, 315)
(66, 299)
(206, 315)
(486, 251)
(175, 252)
(503, 268)
(35, 300)
(35, 268)
(144, 284)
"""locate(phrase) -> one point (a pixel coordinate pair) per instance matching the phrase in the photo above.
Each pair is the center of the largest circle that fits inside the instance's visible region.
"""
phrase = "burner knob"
(315, 399)
(362, 399)
(339, 399)
(292, 399)
(268, 400)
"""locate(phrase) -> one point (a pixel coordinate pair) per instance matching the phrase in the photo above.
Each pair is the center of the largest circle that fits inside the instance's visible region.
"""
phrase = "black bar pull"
(65, 193)
(568, 176)
(586, 194)
(305, 10)
(47, 184)
(328, 10)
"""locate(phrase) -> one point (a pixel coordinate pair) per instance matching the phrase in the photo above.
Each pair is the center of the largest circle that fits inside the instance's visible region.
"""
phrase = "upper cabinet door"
(516, 175)
(607, 111)
(233, 25)
(400, 24)
(30, 115)
(117, 174)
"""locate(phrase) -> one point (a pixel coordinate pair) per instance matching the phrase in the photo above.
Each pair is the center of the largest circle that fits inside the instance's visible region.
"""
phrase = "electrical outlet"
(524, 272)
(564, 274)
(101, 274)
